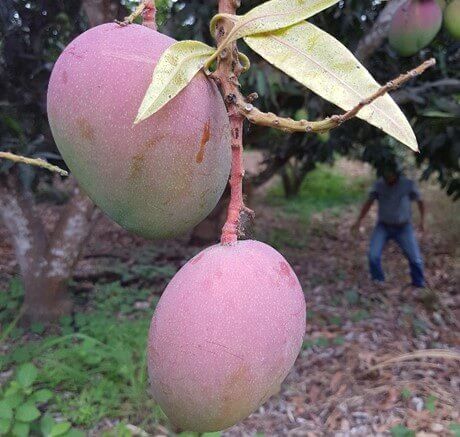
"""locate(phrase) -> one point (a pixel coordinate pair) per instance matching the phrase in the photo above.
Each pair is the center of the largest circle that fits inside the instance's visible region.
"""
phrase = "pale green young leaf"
(176, 68)
(321, 63)
(272, 15)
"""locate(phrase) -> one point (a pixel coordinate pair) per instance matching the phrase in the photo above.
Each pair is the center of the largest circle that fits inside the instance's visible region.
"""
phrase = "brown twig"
(258, 117)
(428, 353)
(34, 162)
(226, 77)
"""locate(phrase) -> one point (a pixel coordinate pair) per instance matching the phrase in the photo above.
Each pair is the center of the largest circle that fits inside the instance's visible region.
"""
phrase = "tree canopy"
(33, 33)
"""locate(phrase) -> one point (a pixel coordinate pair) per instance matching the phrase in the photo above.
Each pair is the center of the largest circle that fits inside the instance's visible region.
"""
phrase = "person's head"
(390, 176)
(390, 172)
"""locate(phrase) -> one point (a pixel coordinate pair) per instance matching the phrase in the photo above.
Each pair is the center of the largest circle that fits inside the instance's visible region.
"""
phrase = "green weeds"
(21, 406)
(324, 188)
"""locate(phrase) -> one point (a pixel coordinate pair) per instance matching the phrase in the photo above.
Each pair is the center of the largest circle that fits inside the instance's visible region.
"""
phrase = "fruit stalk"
(226, 77)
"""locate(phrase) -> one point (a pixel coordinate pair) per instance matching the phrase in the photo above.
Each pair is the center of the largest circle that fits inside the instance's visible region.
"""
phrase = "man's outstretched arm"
(364, 210)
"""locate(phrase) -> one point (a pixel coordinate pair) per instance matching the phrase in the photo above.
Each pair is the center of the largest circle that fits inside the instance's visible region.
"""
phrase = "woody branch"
(226, 77)
(258, 117)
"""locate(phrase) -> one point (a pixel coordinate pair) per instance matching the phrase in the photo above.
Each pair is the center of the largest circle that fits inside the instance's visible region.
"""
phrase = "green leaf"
(37, 328)
(401, 431)
(20, 429)
(211, 434)
(406, 393)
(439, 114)
(5, 425)
(321, 63)
(41, 396)
(14, 399)
(270, 16)
(60, 429)
(455, 429)
(27, 374)
(176, 68)
(430, 403)
(75, 433)
(27, 413)
(46, 425)
(6, 412)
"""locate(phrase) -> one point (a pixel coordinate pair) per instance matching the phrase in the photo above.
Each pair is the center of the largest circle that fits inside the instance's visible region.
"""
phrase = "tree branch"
(379, 31)
(258, 117)
(415, 94)
(34, 162)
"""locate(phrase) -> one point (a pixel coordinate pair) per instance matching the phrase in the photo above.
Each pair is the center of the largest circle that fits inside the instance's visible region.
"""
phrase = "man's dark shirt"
(395, 200)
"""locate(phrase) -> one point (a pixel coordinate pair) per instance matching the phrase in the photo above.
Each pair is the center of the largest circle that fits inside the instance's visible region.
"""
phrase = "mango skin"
(452, 19)
(224, 335)
(161, 177)
(414, 25)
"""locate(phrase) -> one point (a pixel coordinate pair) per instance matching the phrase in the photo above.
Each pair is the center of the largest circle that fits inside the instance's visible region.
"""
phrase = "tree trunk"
(45, 263)
(102, 11)
(376, 36)
(286, 178)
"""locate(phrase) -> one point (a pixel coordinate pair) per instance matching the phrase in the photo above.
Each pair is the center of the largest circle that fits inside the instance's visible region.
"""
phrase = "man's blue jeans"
(405, 237)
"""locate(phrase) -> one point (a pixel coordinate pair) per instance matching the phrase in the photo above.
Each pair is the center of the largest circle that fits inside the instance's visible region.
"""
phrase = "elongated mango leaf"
(321, 63)
(176, 68)
(272, 15)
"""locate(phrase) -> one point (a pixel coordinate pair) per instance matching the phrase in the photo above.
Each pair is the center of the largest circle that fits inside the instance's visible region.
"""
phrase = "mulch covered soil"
(337, 386)
(351, 378)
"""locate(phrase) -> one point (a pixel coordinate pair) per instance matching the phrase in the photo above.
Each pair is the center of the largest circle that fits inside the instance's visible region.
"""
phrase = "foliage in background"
(26, 63)
(322, 189)
(433, 110)
(33, 34)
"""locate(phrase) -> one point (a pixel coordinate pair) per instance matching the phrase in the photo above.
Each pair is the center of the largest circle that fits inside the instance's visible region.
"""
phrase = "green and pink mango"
(224, 335)
(414, 25)
(160, 177)
(452, 19)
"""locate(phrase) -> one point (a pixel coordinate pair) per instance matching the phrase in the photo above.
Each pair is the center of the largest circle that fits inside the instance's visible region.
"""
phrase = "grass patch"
(324, 188)
(98, 371)
(96, 367)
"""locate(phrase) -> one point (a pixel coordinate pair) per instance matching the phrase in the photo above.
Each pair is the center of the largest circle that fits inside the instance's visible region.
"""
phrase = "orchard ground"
(95, 363)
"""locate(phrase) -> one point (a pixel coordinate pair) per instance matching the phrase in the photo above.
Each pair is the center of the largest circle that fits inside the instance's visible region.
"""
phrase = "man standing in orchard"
(394, 194)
